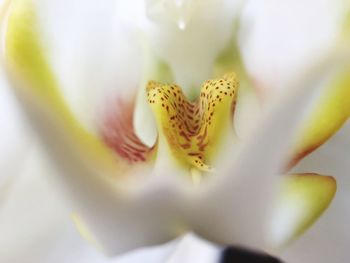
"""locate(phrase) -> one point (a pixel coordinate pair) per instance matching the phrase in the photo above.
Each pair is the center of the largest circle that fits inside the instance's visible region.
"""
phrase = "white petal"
(95, 55)
(235, 208)
(36, 226)
(31, 214)
(303, 199)
(189, 35)
(282, 37)
(193, 249)
(157, 254)
(248, 111)
(120, 217)
(70, 247)
(328, 240)
(15, 136)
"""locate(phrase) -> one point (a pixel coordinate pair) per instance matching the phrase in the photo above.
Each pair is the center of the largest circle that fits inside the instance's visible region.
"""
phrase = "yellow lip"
(193, 131)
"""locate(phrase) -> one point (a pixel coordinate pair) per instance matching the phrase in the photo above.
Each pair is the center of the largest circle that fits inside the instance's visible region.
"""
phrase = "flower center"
(194, 131)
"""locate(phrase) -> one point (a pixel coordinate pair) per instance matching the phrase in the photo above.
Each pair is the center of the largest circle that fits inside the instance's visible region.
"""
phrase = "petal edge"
(303, 199)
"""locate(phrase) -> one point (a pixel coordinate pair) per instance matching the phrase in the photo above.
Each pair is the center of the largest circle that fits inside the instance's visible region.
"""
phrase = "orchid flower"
(147, 155)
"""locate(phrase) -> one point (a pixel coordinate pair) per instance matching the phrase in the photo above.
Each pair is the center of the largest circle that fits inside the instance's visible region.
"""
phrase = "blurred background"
(277, 40)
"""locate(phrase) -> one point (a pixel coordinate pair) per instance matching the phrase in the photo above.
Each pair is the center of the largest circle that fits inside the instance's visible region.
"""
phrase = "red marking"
(201, 139)
(202, 146)
(188, 128)
(189, 117)
(183, 134)
(185, 146)
(190, 110)
(118, 133)
(135, 149)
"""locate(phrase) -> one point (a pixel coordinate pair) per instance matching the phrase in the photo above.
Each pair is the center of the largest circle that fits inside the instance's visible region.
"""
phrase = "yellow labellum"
(194, 131)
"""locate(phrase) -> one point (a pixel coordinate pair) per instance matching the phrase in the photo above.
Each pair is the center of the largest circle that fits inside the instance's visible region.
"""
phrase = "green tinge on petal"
(37, 87)
(303, 199)
(230, 59)
(331, 112)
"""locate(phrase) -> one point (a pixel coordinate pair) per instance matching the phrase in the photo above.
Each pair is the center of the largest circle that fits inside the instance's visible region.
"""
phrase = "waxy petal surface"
(331, 111)
(38, 89)
(235, 205)
(304, 197)
(108, 207)
(189, 35)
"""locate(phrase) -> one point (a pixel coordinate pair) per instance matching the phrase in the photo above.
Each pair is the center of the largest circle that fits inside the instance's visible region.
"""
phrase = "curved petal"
(332, 110)
(272, 25)
(70, 247)
(304, 197)
(32, 214)
(15, 137)
(331, 234)
(92, 52)
(234, 207)
(189, 35)
(278, 47)
(37, 87)
(157, 70)
(248, 110)
(193, 249)
(230, 60)
(36, 225)
(109, 208)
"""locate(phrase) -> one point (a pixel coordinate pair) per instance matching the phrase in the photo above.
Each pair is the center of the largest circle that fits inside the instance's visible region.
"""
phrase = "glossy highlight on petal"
(304, 197)
(194, 131)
